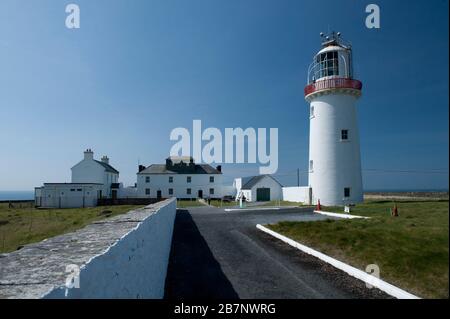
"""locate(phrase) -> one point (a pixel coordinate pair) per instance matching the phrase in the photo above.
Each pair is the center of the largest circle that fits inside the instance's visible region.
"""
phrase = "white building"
(90, 170)
(91, 180)
(334, 153)
(67, 195)
(258, 188)
(179, 177)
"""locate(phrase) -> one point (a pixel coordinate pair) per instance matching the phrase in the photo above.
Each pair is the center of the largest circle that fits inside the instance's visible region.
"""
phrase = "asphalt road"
(217, 254)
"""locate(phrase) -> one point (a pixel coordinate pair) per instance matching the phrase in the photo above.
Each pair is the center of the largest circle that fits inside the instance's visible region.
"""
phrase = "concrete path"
(217, 254)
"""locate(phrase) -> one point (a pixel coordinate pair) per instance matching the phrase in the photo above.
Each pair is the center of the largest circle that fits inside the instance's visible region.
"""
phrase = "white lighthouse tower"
(334, 154)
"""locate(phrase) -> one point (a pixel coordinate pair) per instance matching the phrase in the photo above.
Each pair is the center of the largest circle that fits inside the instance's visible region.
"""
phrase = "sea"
(29, 195)
(16, 195)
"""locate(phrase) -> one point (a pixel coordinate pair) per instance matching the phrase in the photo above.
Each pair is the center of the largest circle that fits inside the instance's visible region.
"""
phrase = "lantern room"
(334, 60)
(332, 69)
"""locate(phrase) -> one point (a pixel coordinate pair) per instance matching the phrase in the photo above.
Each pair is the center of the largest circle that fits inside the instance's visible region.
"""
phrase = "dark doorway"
(263, 194)
(158, 194)
(114, 194)
(200, 194)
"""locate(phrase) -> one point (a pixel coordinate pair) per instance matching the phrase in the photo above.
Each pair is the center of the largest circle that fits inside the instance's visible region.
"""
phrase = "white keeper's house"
(91, 180)
(179, 177)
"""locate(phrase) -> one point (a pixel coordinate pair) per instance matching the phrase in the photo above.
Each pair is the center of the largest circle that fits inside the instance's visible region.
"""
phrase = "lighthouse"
(334, 153)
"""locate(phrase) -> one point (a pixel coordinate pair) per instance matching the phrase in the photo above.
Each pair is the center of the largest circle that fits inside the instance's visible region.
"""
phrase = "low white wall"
(135, 266)
(127, 192)
(296, 194)
(229, 190)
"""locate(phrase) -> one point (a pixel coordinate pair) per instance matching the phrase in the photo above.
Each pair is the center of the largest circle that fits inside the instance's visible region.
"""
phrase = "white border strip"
(339, 215)
(249, 209)
(352, 271)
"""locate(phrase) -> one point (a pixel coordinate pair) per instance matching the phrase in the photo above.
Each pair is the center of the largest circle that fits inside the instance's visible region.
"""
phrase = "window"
(188, 191)
(170, 179)
(79, 190)
(189, 179)
(311, 165)
(347, 192)
(147, 191)
(211, 179)
(211, 191)
(327, 64)
(72, 189)
(311, 112)
(147, 179)
(170, 191)
(344, 135)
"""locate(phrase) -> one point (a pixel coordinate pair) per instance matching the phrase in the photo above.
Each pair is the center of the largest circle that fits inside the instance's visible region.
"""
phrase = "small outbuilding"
(261, 188)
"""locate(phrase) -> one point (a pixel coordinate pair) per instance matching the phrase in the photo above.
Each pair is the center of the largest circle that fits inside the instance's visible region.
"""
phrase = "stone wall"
(122, 257)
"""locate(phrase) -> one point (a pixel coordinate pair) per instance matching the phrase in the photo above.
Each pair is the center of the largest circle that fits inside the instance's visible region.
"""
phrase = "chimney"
(169, 162)
(219, 168)
(141, 168)
(88, 154)
(105, 159)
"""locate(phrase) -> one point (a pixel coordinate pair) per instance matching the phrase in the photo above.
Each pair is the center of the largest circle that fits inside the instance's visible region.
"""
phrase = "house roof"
(252, 181)
(179, 159)
(72, 184)
(162, 169)
(108, 167)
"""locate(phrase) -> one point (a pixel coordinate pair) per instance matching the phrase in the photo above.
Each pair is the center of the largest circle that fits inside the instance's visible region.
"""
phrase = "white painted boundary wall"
(296, 194)
(133, 267)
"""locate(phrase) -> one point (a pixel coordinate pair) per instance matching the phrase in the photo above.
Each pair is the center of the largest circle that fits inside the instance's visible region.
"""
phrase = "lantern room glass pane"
(327, 64)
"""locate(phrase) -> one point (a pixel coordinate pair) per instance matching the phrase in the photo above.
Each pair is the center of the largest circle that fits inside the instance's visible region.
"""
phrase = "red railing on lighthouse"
(336, 83)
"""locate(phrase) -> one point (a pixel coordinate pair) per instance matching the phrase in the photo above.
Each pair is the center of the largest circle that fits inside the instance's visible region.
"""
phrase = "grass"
(219, 203)
(25, 224)
(184, 203)
(411, 250)
(282, 203)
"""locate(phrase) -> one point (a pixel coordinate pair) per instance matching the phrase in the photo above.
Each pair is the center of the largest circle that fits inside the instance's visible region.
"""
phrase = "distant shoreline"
(406, 195)
(6, 196)
(16, 195)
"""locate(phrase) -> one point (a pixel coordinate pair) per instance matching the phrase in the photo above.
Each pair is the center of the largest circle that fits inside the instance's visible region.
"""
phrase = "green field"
(282, 203)
(220, 203)
(25, 224)
(411, 250)
(184, 203)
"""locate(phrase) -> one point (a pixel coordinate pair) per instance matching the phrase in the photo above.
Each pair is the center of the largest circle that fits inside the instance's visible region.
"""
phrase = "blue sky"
(137, 69)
